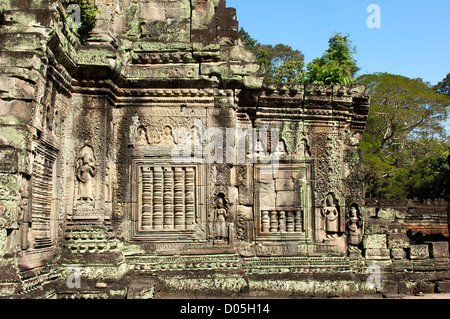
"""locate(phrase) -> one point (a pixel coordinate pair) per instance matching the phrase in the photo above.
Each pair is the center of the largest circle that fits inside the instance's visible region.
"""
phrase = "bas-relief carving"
(354, 229)
(218, 218)
(285, 220)
(242, 223)
(303, 149)
(24, 214)
(153, 136)
(3, 232)
(167, 138)
(86, 171)
(141, 138)
(331, 214)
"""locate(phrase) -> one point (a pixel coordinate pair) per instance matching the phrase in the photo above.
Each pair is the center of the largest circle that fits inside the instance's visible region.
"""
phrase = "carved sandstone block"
(268, 200)
(285, 199)
(378, 241)
(267, 186)
(377, 253)
(386, 214)
(284, 185)
(398, 253)
(439, 249)
(398, 241)
(419, 252)
(245, 196)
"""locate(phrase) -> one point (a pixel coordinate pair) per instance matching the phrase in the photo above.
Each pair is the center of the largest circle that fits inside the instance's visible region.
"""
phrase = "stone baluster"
(147, 185)
(180, 222)
(168, 198)
(158, 198)
(282, 222)
(189, 199)
(265, 222)
(273, 222)
(298, 221)
(290, 226)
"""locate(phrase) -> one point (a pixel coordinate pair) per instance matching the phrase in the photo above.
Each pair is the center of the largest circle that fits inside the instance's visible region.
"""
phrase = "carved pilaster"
(168, 199)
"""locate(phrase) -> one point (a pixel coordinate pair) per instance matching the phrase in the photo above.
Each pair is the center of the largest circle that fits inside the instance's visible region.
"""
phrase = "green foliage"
(88, 17)
(263, 56)
(280, 53)
(337, 65)
(247, 39)
(329, 73)
(443, 87)
(425, 178)
(341, 52)
(404, 144)
(285, 65)
(290, 72)
(279, 60)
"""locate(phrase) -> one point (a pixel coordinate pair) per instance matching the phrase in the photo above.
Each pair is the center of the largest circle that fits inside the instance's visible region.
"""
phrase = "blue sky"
(413, 41)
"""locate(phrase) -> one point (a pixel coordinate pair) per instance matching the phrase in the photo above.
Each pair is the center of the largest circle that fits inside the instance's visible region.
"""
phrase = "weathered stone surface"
(398, 241)
(439, 249)
(284, 184)
(268, 200)
(387, 214)
(443, 286)
(398, 253)
(267, 186)
(377, 254)
(377, 226)
(419, 252)
(375, 241)
(285, 199)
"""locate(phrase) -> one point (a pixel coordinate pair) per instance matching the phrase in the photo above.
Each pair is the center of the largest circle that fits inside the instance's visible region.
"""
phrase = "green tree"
(290, 72)
(281, 53)
(286, 65)
(289, 60)
(248, 41)
(443, 87)
(404, 133)
(329, 73)
(426, 178)
(337, 65)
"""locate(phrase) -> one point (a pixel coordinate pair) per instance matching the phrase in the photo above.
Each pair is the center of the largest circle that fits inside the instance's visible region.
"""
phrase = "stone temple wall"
(152, 158)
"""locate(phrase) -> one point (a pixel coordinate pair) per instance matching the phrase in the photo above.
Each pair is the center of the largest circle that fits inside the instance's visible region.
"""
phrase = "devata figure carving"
(3, 232)
(303, 149)
(167, 137)
(331, 214)
(354, 228)
(86, 171)
(141, 138)
(220, 218)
